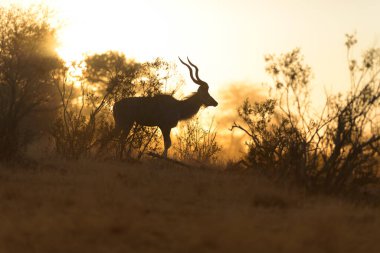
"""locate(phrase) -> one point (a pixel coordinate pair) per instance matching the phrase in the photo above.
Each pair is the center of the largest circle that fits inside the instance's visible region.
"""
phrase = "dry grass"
(156, 207)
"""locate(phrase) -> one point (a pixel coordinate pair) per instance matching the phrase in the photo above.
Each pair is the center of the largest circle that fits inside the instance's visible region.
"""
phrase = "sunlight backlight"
(227, 39)
(98, 26)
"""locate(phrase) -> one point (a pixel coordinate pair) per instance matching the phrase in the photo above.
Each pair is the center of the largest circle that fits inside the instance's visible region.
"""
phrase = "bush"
(334, 152)
(195, 143)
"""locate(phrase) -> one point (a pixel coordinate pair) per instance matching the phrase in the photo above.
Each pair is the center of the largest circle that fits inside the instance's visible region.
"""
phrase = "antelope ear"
(204, 87)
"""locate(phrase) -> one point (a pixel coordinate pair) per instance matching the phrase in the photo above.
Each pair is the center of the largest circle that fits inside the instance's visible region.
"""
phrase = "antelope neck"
(190, 106)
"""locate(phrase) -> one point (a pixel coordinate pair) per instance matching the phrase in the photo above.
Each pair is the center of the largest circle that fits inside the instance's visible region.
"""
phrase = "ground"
(89, 206)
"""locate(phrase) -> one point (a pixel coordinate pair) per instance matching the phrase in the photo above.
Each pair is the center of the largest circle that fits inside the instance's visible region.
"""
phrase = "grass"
(88, 206)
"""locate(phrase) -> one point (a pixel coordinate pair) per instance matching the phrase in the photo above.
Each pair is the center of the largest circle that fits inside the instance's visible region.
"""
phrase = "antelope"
(163, 111)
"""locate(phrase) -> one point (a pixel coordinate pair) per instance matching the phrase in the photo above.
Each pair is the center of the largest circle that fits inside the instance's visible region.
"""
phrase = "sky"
(227, 39)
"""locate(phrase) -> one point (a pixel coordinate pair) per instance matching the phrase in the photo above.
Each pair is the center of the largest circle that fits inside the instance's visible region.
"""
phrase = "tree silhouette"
(334, 152)
(85, 123)
(28, 64)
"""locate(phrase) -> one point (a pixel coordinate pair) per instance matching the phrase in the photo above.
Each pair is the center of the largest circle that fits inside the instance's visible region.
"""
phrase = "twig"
(155, 155)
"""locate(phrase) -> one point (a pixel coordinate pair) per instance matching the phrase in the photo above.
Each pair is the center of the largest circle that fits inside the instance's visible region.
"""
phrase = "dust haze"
(232, 97)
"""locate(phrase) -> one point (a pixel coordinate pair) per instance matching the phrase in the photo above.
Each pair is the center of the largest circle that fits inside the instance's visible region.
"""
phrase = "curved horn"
(196, 69)
(195, 80)
(200, 82)
(190, 69)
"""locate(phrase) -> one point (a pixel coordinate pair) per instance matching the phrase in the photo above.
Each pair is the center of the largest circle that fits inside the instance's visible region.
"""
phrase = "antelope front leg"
(167, 141)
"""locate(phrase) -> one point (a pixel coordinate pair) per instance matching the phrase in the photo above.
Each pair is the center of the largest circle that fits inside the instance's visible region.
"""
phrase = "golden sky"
(227, 39)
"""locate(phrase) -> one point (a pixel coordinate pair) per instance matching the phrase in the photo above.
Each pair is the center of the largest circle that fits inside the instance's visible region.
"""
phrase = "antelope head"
(202, 92)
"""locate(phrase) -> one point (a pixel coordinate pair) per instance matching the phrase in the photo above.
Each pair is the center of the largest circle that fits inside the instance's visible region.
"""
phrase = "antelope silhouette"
(163, 111)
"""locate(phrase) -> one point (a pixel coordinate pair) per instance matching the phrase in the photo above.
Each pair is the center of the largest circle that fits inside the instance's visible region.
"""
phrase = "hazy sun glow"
(97, 26)
(227, 39)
